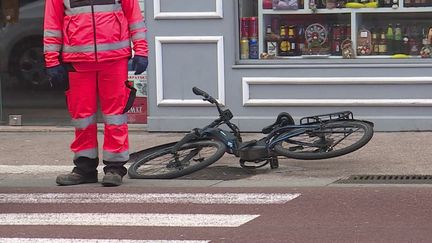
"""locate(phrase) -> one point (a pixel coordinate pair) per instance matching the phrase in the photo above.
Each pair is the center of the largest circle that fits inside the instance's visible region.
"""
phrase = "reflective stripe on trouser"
(105, 81)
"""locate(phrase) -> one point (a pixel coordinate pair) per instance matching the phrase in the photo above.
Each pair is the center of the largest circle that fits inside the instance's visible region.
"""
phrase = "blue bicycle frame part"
(295, 130)
(226, 137)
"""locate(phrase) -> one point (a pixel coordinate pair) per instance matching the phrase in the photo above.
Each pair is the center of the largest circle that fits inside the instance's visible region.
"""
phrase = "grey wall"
(192, 44)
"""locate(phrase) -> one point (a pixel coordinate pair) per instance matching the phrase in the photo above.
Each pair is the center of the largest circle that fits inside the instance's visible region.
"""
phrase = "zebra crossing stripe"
(126, 219)
(169, 198)
(36, 169)
(62, 240)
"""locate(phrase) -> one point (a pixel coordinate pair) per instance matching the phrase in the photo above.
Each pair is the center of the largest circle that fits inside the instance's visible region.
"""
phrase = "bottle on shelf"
(244, 48)
(389, 36)
(405, 47)
(271, 42)
(375, 43)
(382, 44)
(413, 40)
(337, 34)
(292, 41)
(301, 39)
(397, 44)
(253, 48)
(283, 44)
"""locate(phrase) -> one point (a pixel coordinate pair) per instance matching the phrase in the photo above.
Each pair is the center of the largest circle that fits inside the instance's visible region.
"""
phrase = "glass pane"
(293, 30)
(304, 35)
(24, 85)
(393, 34)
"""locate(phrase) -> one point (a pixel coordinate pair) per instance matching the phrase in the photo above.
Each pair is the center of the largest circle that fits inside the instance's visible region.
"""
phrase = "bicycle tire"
(149, 166)
(309, 145)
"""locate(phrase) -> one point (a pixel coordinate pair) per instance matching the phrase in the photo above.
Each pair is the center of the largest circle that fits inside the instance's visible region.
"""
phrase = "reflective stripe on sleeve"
(53, 33)
(115, 119)
(116, 157)
(52, 47)
(139, 36)
(137, 25)
(89, 153)
(82, 123)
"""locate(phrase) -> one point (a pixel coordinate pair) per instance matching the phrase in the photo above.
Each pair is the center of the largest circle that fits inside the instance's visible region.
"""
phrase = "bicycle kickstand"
(274, 162)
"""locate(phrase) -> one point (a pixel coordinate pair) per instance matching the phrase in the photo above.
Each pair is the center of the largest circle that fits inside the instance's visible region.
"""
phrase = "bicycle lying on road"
(316, 137)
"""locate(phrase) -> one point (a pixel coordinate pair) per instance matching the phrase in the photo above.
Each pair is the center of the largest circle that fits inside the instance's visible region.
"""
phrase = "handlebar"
(206, 96)
(224, 115)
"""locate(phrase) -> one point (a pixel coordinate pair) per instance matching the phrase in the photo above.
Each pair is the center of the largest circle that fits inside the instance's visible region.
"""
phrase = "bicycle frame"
(233, 141)
(311, 139)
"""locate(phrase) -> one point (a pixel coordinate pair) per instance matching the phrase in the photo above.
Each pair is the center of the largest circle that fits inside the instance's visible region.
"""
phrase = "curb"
(6, 128)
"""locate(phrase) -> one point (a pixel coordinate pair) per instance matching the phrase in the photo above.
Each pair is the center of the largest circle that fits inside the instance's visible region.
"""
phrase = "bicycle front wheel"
(333, 139)
(191, 157)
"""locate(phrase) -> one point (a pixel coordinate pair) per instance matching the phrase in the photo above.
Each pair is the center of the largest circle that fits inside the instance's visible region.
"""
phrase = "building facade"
(258, 58)
(201, 43)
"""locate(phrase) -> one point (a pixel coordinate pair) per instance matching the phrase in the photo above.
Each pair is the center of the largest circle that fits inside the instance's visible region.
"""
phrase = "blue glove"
(139, 64)
(57, 76)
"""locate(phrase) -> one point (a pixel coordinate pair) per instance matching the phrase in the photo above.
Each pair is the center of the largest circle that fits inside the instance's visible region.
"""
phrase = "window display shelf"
(348, 10)
(397, 32)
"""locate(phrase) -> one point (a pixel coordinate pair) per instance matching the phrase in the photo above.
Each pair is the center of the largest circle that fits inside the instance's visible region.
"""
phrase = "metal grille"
(386, 179)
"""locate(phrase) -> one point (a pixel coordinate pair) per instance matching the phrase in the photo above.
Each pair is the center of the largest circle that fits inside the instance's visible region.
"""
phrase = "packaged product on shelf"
(285, 4)
(316, 35)
(253, 27)
(267, 4)
(271, 43)
(253, 48)
(244, 48)
(244, 27)
(364, 42)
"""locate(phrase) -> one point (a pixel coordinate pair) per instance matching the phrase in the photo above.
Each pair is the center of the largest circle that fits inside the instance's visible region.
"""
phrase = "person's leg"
(114, 96)
(82, 106)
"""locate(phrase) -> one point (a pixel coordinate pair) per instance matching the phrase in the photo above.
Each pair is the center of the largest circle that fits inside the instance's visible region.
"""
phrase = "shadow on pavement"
(223, 173)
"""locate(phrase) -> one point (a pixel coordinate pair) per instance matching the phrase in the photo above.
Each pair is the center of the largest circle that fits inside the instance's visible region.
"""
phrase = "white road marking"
(172, 198)
(63, 240)
(126, 219)
(38, 169)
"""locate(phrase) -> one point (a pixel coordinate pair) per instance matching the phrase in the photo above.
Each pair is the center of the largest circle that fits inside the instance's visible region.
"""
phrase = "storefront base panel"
(248, 124)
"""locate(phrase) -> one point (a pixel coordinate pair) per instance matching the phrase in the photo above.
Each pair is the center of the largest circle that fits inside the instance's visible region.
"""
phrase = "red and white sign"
(138, 112)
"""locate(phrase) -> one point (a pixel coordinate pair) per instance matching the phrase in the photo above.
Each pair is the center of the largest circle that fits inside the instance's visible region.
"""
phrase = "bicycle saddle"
(283, 119)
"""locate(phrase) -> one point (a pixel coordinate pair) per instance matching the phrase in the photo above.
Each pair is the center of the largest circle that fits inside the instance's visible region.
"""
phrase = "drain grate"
(386, 179)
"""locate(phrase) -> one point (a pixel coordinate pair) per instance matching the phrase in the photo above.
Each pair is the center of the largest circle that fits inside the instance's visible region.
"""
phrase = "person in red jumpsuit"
(87, 45)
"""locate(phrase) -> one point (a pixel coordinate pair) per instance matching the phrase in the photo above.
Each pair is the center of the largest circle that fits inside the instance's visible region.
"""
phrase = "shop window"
(25, 89)
(293, 30)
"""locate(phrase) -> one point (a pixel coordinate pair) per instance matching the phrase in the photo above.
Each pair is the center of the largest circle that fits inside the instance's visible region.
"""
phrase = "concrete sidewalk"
(33, 156)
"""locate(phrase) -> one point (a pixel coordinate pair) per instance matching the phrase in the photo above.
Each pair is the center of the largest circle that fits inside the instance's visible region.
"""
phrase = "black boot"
(84, 172)
(114, 172)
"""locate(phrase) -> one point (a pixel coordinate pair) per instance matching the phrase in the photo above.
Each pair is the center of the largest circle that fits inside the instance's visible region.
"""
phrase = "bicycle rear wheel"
(333, 139)
(191, 157)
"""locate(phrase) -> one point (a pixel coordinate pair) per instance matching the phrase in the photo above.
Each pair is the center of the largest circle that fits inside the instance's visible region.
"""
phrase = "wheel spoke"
(189, 158)
(331, 140)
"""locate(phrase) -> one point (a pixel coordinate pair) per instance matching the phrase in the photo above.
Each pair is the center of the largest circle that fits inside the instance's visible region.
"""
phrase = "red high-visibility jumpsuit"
(94, 37)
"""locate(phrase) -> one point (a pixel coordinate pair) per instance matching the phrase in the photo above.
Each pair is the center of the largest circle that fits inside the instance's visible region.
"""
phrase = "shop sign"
(138, 112)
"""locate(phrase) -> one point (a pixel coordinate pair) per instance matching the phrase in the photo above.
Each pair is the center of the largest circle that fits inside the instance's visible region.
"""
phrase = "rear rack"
(344, 115)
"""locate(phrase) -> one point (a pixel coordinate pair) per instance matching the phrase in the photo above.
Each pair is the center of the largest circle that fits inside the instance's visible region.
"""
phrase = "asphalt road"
(325, 214)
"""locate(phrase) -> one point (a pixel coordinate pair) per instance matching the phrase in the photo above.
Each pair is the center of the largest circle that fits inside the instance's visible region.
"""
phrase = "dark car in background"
(21, 47)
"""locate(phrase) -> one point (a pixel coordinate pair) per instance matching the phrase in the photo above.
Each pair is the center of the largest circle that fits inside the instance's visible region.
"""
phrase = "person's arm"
(53, 37)
(137, 27)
